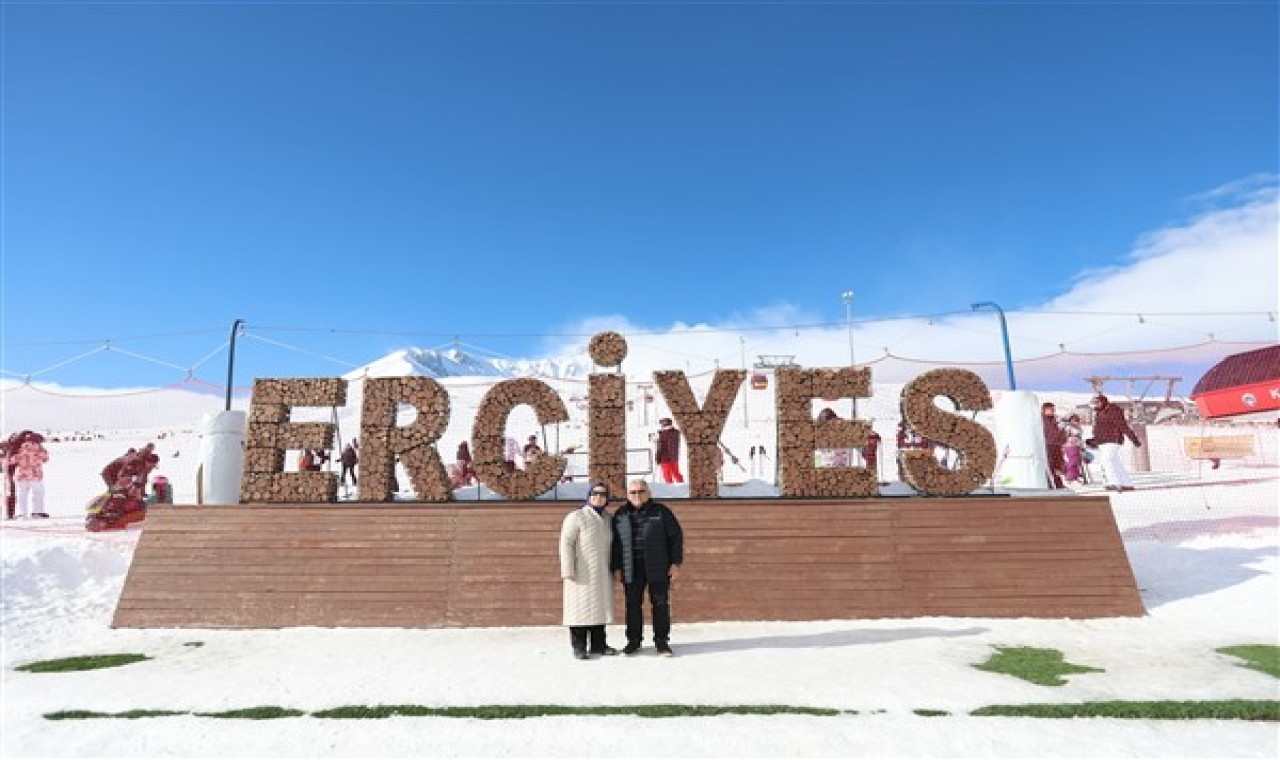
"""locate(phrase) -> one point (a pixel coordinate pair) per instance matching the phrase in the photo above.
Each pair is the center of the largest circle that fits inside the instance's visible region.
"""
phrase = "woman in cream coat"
(586, 543)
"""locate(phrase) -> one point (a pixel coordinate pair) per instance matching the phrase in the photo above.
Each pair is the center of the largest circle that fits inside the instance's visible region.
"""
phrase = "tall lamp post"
(231, 358)
(1004, 335)
(847, 297)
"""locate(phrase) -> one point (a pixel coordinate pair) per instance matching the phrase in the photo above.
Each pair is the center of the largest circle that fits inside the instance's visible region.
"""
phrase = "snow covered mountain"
(417, 361)
(458, 363)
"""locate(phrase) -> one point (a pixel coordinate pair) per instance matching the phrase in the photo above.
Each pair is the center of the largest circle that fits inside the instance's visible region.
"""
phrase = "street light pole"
(1004, 335)
(231, 358)
(847, 297)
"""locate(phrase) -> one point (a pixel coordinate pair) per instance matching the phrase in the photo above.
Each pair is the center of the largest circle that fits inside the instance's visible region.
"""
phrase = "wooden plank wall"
(496, 564)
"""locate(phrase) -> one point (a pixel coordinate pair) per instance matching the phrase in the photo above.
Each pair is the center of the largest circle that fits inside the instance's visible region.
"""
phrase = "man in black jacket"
(648, 549)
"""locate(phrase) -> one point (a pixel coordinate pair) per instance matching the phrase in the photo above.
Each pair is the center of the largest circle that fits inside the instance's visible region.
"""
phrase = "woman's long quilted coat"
(586, 540)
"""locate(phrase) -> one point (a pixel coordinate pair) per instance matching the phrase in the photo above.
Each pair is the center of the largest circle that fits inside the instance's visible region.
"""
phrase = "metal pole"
(1004, 336)
(746, 385)
(847, 297)
(644, 402)
(231, 358)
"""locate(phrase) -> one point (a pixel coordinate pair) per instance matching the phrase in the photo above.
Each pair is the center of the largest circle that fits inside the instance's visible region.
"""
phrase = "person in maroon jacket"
(668, 452)
(349, 459)
(111, 473)
(1110, 428)
(138, 467)
(870, 452)
(1054, 439)
(466, 467)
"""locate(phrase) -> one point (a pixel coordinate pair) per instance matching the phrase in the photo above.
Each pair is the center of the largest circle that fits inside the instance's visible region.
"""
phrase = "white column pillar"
(1020, 454)
(221, 456)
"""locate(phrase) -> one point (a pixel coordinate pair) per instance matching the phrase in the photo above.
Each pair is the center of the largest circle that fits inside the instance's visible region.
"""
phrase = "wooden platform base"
(496, 564)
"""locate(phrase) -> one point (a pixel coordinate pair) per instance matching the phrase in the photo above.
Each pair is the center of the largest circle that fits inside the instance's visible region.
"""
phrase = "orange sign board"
(1219, 446)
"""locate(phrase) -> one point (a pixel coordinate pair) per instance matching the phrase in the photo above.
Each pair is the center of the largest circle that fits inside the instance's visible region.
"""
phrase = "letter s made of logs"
(974, 442)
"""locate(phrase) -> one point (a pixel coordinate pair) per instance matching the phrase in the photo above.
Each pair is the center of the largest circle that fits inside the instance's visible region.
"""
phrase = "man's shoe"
(631, 648)
(581, 654)
(44, 515)
(606, 652)
(664, 650)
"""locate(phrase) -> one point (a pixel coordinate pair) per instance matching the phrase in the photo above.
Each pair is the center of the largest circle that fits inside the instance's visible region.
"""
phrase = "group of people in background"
(1067, 450)
(1068, 453)
(314, 460)
(23, 457)
(909, 440)
(666, 454)
(869, 452)
(462, 472)
(127, 474)
(126, 499)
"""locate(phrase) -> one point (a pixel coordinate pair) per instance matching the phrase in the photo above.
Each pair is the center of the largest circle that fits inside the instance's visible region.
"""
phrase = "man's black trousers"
(658, 590)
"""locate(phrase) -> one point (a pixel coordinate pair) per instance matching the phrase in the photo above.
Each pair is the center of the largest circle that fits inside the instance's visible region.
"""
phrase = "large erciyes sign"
(271, 433)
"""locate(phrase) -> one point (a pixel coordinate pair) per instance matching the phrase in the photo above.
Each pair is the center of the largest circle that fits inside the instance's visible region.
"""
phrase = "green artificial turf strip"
(87, 662)
(126, 715)
(516, 712)
(255, 713)
(1229, 709)
(1040, 666)
(1260, 657)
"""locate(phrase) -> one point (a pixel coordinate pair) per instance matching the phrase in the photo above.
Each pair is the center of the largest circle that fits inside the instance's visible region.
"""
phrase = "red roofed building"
(1240, 384)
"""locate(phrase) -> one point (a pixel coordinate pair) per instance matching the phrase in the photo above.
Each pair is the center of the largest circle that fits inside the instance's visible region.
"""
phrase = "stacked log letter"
(606, 402)
(271, 434)
(975, 443)
(701, 427)
(800, 435)
(488, 439)
(383, 442)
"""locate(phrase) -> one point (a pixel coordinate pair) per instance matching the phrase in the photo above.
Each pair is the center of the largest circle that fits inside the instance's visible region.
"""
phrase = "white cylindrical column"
(1020, 456)
(221, 456)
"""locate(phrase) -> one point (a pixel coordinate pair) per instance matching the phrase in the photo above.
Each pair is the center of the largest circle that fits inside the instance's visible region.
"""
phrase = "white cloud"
(1223, 259)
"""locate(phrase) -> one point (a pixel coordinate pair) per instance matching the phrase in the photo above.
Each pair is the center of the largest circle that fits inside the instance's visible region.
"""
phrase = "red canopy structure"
(1240, 384)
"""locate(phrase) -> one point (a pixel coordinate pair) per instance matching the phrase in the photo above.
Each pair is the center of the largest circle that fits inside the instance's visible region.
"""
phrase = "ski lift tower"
(1142, 410)
(773, 361)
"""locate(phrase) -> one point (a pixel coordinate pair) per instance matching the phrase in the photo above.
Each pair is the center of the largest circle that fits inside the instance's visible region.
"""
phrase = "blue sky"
(351, 178)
